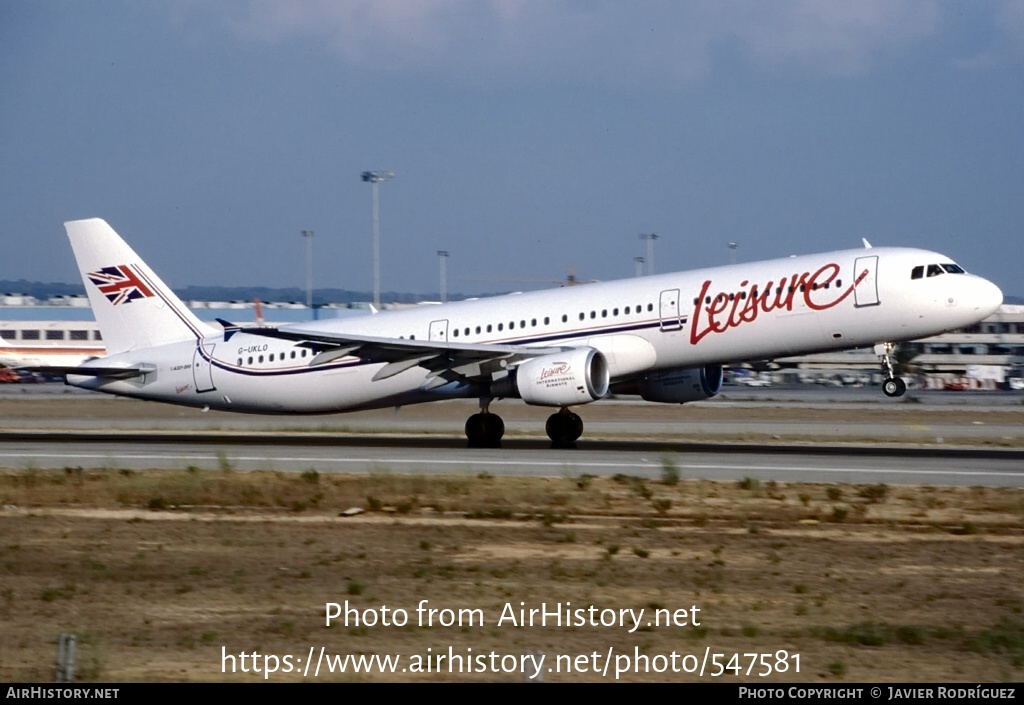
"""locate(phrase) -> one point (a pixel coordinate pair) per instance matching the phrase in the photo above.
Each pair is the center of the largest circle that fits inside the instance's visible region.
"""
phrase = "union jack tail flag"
(120, 284)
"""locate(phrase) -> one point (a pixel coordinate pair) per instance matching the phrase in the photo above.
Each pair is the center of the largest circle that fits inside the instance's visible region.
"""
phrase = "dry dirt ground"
(160, 575)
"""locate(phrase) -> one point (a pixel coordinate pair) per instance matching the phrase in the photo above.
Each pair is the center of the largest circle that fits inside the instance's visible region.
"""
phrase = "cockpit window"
(935, 270)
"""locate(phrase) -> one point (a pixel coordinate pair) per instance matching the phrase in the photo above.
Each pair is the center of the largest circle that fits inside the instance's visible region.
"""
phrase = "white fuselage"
(721, 315)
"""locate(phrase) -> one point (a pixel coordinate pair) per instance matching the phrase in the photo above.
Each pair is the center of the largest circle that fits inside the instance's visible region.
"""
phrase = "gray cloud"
(620, 42)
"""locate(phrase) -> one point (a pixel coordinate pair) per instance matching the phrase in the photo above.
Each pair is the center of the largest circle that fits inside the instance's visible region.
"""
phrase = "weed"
(61, 593)
(873, 493)
(749, 483)
(669, 471)
(224, 462)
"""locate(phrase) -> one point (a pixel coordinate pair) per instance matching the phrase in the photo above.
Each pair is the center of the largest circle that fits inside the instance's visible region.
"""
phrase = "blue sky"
(526, 136)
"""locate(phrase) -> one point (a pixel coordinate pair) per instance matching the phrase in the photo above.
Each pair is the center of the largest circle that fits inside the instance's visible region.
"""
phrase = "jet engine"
(677, 386)
(578, 376)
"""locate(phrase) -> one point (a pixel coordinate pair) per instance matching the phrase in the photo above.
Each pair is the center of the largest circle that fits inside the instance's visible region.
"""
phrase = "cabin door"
(669, 309)
(202, 368)
(865, 281)
(439, 330)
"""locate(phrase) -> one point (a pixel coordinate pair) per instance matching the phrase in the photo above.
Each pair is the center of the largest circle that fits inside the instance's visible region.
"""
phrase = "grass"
(224, 554)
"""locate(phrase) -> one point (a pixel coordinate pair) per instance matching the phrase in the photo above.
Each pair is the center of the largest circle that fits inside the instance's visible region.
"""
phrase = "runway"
(799, 436)
(407, 455)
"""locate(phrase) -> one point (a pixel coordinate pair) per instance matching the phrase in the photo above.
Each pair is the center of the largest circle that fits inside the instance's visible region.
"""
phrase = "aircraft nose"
(988, 297)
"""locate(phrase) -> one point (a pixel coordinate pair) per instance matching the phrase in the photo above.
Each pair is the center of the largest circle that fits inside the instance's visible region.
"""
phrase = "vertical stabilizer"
(133, 307)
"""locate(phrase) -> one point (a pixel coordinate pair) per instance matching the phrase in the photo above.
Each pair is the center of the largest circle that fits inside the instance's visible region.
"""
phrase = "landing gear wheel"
(484, 430)
(894, 387)
(564, 428)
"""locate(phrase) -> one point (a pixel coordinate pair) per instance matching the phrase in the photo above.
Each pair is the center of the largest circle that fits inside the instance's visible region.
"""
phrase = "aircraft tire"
(564, 428)
(894, 387)
(484, 430)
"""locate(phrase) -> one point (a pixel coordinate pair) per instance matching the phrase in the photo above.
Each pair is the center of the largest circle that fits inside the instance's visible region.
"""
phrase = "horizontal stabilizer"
(100, 372)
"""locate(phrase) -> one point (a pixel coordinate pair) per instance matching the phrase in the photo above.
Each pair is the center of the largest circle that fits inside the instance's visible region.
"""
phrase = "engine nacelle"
(678, 386)
(578, 376)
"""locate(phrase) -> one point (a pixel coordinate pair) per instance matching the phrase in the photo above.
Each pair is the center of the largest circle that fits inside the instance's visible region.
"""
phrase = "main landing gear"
(563, 428)
(893, 386)
(484, 429)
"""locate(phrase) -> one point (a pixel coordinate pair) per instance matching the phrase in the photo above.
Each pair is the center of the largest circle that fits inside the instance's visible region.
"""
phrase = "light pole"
(374, 178)
(442, 257)
(650, 237)
(308, 235)
(639, 262)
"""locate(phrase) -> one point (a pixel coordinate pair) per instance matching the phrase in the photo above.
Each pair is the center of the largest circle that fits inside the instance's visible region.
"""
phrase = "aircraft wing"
(444, 359)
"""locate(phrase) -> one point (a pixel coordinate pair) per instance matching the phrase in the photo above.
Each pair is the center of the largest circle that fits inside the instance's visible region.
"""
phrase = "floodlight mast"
(650, 237)
(308, 235)
(442, 256)
(374, 178)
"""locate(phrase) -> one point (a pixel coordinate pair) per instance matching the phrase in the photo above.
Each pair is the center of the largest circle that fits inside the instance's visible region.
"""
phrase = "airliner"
(664, 338)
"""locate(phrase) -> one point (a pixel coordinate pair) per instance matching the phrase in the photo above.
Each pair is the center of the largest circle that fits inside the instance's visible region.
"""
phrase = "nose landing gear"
(893, 386)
